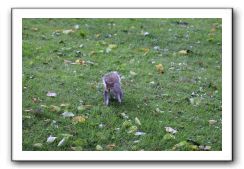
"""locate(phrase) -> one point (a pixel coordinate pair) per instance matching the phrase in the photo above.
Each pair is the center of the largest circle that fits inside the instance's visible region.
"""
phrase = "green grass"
(157, 100)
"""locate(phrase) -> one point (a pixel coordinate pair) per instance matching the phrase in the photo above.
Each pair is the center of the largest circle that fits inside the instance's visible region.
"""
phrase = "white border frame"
(224, 155)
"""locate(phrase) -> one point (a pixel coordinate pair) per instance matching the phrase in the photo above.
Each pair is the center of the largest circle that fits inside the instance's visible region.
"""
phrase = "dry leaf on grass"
(139, 133)
(99, 148)
(211, 122)
(68, 114)
(137, 121)
(61, 142)
(68, 31)
(78, 119)
(51, 139)
(160, 68)
(51, 94)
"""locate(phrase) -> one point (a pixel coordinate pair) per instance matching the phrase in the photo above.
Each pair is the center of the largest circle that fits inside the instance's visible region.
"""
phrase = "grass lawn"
(68, 57)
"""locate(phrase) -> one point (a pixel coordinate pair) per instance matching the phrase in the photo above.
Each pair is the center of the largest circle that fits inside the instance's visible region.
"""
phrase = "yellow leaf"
(112, 46)
(160, 68)
(78, 119)
(146, 50)
(80, 61)
(183, 52)
(64, 105)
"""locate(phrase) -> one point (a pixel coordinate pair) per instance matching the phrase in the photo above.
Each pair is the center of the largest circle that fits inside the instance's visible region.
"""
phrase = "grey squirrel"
(112, 86)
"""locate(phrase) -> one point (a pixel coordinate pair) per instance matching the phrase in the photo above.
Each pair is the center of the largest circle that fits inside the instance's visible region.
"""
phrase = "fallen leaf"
(64, 105)
(51, 139)
(55, 108)
(68, 114)
(112, 46)
(211, 122)
(137, 121)
(51, 94)
(183, 52)
(61, 142)
(78, 119)
(185, 145)
(170, 130)
(145, 50)
(133, 73)
(160, 68)
(139, 133)
(80, 61)
(68, 31)
(37, 145)
(99, 148)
